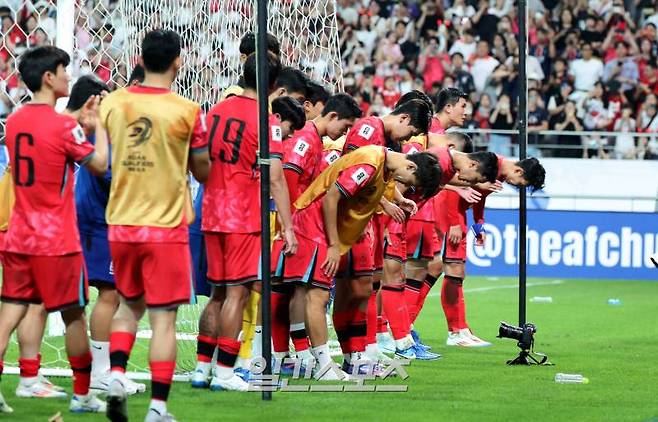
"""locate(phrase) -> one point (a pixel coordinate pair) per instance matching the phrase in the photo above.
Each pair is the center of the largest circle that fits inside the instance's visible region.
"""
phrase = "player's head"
(410, 119)
(480, 167)
(292, 82)
(84, 88)
(341, 111)
(316, 98)
(415, 95)
(137, 77)
(248, 45)
(291, 114)
(460, 142)
(421, 170)
(451, 102)
(528, 172)
(161, 52)
(249, 71)
(45, 68)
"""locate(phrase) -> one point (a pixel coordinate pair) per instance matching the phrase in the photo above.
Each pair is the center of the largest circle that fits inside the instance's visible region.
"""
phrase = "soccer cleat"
(86, 404)
(458, 339)
(416, 353)
(333, 375)
(200, 379)
(4, 407)
(133, 387)
(478, 342)
(117, 409)
(45, 381)
(288, 369)
(38, 390)
(235, 383)
(242, 373)
(418, 341)
(102, 381)
(155, 416)
(386, 343)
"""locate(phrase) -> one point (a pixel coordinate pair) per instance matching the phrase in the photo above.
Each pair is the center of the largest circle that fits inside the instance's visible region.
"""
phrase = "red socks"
(372, 320)
(121, 343)
(228, 351)
(280, 320)
(424, 291)
(29, 367)
(411, 296)
(395, 307)
(358, 330)
(162, 374)
(299, 337)
(81, 366)
(452, 301)
(205, 348)
(342, 320)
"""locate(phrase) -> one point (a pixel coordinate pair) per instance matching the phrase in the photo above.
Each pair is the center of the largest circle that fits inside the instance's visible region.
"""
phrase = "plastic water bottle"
(541, 299)
(570, 379)
(614, 302)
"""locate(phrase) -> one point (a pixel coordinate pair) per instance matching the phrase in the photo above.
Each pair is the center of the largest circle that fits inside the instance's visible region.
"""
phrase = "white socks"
(100, 357)
(159, 406)
(257, 346)
(322, 355)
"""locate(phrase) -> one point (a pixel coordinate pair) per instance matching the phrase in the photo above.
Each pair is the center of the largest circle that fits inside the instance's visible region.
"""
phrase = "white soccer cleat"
(101, 382)
(386, 343)
(458, 339)
(133, 387)
(42, 379)
(331, 374)
(86, 404)
(4, 407)
(478, 342)
(235, 383)
(155, 416)
(117, 407)
(38, 390)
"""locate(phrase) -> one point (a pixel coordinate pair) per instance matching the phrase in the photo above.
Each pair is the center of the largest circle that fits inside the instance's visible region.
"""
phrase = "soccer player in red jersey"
(41, 253)
(231, 215)
(452, 221)
(302, 163)
(450, 110)
(157, 135)
(332, 215)
(316, 98)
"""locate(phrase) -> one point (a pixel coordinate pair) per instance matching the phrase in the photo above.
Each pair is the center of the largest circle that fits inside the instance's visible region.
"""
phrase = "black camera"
(524, 335)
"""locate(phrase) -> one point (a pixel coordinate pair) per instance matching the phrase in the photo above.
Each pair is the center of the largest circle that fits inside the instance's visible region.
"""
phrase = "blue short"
(96, 251)
(199, 265)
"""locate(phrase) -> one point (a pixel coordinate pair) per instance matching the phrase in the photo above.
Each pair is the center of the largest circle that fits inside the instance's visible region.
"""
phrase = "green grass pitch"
(613, 346)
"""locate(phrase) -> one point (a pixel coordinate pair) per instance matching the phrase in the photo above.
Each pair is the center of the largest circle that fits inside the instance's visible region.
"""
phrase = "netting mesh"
(107, 37)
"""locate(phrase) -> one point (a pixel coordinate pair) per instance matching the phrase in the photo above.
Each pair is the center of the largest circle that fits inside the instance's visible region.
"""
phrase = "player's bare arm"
(281, 196)
(330, 215)
(97, 164)
(199, 164)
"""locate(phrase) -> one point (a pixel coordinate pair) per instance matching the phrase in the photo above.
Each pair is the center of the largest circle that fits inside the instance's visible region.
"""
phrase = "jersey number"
(21, 161)
(239, 126)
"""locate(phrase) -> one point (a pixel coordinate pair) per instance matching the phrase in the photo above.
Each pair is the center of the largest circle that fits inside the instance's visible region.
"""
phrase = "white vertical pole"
(65, 36)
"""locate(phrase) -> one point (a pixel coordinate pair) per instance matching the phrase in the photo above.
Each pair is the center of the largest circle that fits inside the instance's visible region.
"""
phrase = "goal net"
(106, 37)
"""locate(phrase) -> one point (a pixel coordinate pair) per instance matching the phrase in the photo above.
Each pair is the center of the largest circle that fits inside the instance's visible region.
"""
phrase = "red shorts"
(422, 240)
(379, 221)
(452, 252)
(161, 272)
(233, 258)
(358, 261)
(397, 249)
(58, 282)
(304, 266)
(277, 259)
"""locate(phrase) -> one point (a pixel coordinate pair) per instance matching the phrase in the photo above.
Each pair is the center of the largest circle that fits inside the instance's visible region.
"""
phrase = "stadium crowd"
(591, 65)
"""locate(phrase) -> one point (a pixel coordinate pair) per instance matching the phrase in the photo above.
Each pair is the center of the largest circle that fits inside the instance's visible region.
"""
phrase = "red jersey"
(478, 207)
(302, 154)
(366, 131)
(231, 200)
(43, 146)
(412, 146)
(435, 126)
(349, 183)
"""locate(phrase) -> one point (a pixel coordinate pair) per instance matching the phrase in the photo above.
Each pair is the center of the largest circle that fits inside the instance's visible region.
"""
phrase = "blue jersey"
(195, 227)
(91, 196)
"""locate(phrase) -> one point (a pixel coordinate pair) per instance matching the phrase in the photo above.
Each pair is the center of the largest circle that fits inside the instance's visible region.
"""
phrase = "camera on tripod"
(524, 335)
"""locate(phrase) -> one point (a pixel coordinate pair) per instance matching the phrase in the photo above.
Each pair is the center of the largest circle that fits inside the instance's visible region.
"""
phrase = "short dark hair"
(248, 44)
(533, 172)
(290, 110)
(415, 95)
(293, 80)
(316, 93)
(137, 74)
(428, 173)
(159, 50)
(344, 105)
(449, 96)
(419, 112)
(35, 62)
(488, 164)
(462, 141)
(249, 70)
(85, 87)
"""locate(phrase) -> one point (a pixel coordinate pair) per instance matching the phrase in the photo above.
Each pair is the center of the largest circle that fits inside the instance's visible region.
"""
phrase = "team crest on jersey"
(301, 147)
(277, 134)
(140, 131)
(332, 156)
(366, 131)
(360, 176)
(78, 134)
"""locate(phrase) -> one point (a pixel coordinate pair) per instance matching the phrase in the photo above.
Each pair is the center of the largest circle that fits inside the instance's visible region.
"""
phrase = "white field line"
(505, 286)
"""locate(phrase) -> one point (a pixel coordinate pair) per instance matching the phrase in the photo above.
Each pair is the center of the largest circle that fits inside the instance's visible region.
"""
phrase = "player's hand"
(496, 186)
(330, 264)
(480, 239)
(470, 195)
(290, 242)
(455, 234)
(408, 206)
(480, 234)
(90, 114)
(394, 211)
